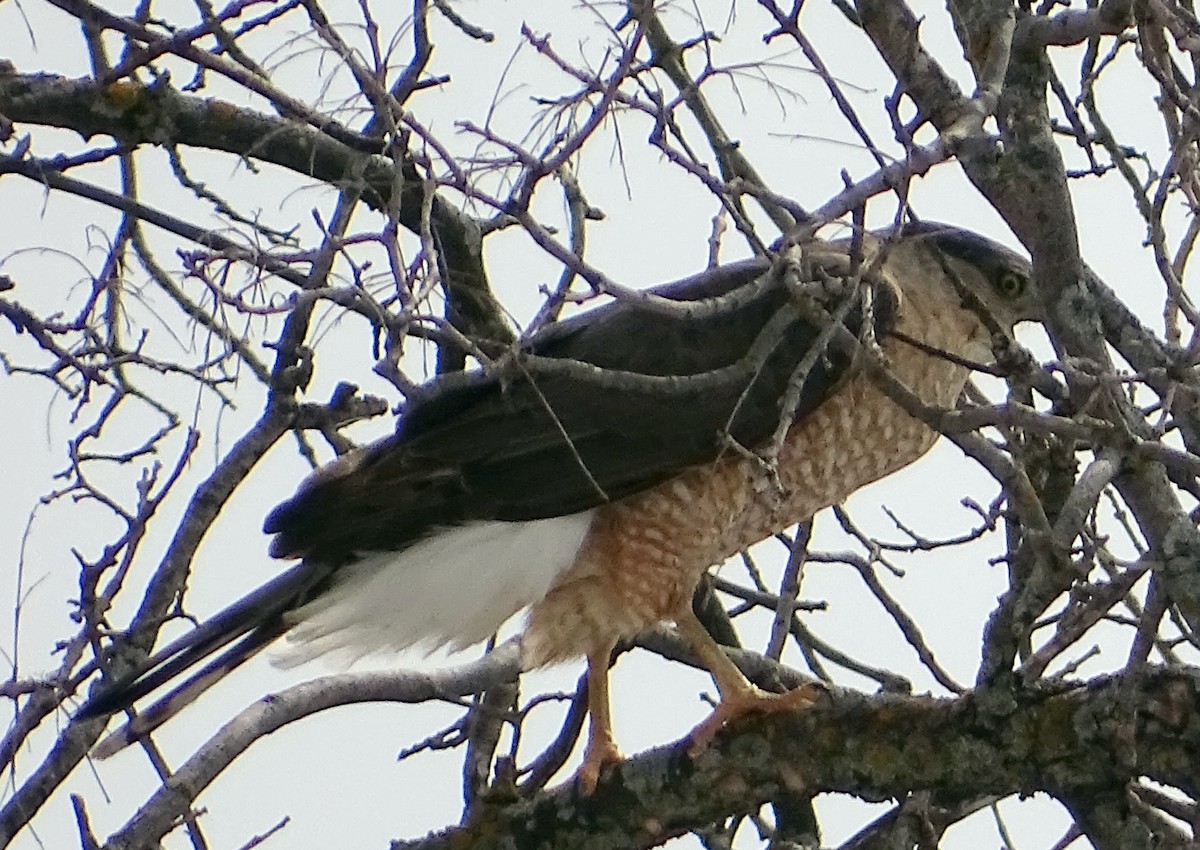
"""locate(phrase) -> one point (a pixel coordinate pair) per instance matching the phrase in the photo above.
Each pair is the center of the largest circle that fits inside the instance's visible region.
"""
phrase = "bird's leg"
(601, 748)
(738, 696)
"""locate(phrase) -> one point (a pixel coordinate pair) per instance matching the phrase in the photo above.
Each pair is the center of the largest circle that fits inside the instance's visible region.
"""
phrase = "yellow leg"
(738, 696)
(601, 748)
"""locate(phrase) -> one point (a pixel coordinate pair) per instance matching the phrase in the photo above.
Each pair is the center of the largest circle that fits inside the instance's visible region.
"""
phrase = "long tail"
(253, 622)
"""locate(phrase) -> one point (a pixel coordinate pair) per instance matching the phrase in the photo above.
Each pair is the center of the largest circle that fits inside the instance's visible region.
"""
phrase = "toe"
(750, 701)
(598, 756)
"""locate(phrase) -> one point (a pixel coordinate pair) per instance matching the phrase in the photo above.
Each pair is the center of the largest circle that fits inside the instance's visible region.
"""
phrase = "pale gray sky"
(336, 774)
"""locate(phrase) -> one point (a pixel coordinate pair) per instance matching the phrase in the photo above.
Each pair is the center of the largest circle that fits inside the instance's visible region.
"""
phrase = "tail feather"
(257, 618)
(184, 694)
(453, 587)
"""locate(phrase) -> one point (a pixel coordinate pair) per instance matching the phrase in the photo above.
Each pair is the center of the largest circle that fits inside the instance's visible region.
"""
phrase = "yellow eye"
(1011, 284)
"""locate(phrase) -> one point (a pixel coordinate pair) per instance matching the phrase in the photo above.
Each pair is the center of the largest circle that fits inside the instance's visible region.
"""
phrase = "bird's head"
(980, 268)
(956, 289)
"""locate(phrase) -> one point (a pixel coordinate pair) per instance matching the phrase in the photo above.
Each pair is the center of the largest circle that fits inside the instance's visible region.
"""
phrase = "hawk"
(596, 473)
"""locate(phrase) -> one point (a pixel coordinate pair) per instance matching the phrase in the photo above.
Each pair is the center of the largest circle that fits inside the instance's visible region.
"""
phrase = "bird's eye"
(1011, 284)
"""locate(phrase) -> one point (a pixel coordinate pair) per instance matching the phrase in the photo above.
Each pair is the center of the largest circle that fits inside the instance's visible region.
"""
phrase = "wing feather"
(593, 409)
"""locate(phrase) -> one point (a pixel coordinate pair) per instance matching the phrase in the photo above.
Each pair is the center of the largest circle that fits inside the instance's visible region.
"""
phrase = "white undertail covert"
(454, 588)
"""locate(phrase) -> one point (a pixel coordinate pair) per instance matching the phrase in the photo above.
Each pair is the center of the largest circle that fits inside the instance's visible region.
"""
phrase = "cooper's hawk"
(594, 475)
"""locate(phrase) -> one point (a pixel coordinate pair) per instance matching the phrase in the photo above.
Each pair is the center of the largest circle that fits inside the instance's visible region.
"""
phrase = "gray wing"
(601, 407)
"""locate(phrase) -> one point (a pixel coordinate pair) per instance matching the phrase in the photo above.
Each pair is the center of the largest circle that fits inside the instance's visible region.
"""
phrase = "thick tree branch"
(964, 748)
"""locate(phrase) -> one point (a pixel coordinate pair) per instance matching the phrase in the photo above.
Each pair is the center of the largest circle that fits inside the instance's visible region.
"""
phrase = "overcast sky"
(336, 774)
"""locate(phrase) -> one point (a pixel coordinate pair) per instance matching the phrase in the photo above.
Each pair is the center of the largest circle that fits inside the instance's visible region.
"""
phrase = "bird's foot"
(600, 753)
(751, 700)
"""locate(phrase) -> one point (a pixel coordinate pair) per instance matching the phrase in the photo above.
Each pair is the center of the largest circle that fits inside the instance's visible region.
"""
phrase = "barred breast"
(643, 556)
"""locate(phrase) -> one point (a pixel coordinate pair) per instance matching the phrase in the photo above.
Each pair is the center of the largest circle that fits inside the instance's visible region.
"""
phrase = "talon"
(600, 754)
(750, 701)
